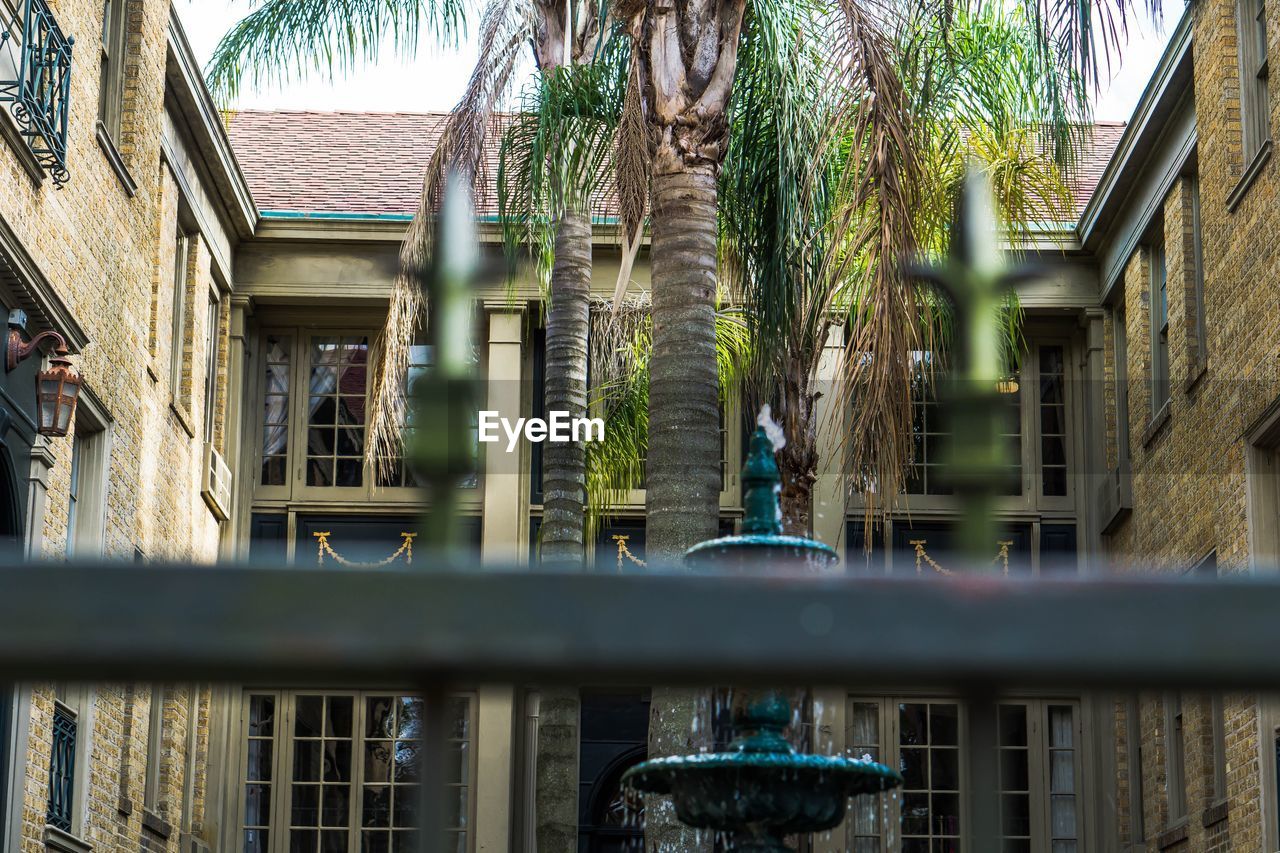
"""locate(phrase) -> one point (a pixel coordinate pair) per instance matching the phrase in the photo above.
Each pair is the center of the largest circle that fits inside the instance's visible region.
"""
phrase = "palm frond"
(621, 343)
(505, 29)
(282, 41)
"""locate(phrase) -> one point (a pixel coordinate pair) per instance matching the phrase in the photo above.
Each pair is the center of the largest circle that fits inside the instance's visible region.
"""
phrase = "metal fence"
(978, 635)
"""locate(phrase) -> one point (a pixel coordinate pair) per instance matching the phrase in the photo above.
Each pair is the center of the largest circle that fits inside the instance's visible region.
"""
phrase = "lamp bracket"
(19, 351)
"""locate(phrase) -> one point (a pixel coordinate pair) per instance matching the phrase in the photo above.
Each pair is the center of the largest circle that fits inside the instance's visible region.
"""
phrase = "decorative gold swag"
(325, 549)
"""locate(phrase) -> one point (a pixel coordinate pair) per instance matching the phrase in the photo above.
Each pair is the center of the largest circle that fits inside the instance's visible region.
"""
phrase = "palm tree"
(979, 93)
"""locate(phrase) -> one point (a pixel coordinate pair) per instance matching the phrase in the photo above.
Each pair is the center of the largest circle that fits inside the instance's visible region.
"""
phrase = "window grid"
(337, 411)
(1063, 801)
(1015, 779)
(1254, 68)
(347, 765)
(1053, 422)
(930, 435)
(258, 774)
(929, 760)
(277, 350)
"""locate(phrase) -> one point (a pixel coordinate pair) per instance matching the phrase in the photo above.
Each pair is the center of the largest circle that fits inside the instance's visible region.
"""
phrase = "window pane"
(337, 410)
(275, 410)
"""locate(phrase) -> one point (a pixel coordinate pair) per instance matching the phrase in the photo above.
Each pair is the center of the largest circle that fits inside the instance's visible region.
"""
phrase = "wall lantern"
(57, 387)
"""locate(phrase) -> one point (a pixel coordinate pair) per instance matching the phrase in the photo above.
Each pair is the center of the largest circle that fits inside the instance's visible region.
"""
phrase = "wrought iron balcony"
(39, 96)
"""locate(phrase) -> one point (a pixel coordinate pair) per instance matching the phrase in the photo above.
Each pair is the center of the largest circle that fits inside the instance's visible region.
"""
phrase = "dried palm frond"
(504, 31)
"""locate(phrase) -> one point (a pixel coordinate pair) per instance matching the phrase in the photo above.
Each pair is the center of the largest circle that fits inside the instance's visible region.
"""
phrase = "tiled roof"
(373, 163)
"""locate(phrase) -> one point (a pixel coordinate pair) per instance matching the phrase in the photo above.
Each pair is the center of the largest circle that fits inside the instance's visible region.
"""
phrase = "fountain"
(761, 789)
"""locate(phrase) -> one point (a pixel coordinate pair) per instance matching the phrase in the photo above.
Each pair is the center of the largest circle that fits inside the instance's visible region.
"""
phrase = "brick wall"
(110, 257)
(1189, 491)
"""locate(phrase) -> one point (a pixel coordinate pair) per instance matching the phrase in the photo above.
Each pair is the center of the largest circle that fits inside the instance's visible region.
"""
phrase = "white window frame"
(283, 755)
(184, 247)
(111, 75)
(91, 463)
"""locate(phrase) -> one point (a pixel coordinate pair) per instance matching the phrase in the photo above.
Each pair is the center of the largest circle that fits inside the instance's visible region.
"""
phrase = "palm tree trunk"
(798, 460)
(564, 465)
(683, 476)
(564, 493)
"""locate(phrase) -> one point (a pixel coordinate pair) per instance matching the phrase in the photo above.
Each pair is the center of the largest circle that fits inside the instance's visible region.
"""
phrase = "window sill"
(1175, 834)
(125, 806)
(191, 844)
(64, 842)
(184, 419)
(1214, 814)
(1250, 175)
(153, 373)
(9, 131)
(1198, 370)
(1157, 424)
(154, 824)
(116, 161)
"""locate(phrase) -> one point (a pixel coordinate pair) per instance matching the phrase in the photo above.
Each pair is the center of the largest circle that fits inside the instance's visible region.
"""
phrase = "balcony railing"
(39, 95)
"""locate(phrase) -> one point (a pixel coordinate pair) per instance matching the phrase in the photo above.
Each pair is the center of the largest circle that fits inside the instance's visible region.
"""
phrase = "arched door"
(10, 507)
(615, 815)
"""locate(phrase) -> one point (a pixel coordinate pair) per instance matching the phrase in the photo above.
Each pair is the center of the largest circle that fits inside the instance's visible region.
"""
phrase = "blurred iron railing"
(977, 635)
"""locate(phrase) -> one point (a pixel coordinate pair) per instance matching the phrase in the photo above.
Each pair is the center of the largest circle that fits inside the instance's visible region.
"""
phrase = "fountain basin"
(774, 793)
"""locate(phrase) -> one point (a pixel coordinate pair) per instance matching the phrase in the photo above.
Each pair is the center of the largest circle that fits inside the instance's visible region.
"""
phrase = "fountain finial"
(762, 487)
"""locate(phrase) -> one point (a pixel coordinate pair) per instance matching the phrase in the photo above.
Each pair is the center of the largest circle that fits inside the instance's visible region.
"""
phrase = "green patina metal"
(761, 790)
(762, 546)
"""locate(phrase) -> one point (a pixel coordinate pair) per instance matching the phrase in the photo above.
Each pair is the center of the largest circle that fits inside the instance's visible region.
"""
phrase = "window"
(69, 732)
(1120, 355)
(155, 747)
(1133, 760)
(86, 495)
(1255, 109)
(1175, 757)
(931, 433)
(212, 356)
(277, 355)
(190, 767)
(178, 341)
(1199, 333)
(1053, 422)
(115, 34)
(1040, 775)
(313, 441)
(1218, 724)
(1159, 282)
(336, 772)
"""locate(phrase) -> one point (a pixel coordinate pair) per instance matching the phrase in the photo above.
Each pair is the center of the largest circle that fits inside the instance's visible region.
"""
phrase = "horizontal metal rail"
(113, 621)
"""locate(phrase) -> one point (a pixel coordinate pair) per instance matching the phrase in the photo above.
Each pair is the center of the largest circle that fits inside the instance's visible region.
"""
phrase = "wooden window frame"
(1158, 321)
(1255, 117)
(1175, 758)
(155, 750)
(295, 493)
(1039, 744)
(283, 749)
(112, 61)
(91, 465)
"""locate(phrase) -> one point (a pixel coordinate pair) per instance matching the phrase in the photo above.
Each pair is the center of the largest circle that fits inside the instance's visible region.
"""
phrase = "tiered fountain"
(761, 790)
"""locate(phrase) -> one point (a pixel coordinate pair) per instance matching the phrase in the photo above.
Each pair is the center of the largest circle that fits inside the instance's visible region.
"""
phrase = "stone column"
(829, 490)
(42, 461)
(1092, 469)
(506, 505)
(495, 769)
(235, 539)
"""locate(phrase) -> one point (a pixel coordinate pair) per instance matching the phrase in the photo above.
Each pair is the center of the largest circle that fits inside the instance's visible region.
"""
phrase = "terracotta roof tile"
(373, 163)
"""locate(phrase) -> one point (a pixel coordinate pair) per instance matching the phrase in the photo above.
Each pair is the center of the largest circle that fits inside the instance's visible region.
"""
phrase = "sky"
(434, 78)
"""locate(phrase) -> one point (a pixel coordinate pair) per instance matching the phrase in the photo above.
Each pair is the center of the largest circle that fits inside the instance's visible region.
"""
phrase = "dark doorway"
(10, 508)
(614, 738)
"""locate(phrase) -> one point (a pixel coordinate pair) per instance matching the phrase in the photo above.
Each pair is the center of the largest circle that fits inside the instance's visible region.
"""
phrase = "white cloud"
(435, 78)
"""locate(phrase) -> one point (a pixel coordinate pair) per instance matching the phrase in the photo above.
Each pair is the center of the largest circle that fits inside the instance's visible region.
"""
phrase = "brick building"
(221, 294)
